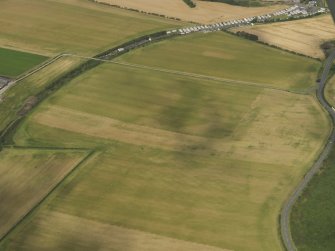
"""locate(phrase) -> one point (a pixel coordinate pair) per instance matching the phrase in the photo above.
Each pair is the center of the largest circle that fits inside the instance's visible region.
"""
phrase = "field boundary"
(225, 81)
(34, 207)
(29, 73)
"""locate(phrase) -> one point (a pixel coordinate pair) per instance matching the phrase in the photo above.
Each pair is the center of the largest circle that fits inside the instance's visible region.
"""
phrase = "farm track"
(287, 208)
(189, 74)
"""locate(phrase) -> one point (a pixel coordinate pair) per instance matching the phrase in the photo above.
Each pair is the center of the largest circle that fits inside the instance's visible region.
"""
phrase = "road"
(287, 208)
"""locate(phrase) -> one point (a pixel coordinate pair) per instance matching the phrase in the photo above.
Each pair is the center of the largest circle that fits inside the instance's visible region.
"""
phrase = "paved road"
(287, 208)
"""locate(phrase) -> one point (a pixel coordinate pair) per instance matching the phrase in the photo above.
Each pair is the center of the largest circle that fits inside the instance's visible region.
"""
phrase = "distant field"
(204, 12)
(248, 3)
(13, 63)
(181, 158)
(302, 36)
(223, 55)
(313, 215)
(22, 186)
(52, 27)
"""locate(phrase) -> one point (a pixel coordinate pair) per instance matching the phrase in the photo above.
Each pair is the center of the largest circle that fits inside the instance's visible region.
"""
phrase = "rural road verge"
(287, 208)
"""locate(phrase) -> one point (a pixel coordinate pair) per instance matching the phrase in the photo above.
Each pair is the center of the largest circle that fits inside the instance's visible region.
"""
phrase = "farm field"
(302, 36)
(194, 143)
(180, 158)
(12, 101)
(14, 63)
(77, 26)
(204, 12)
(313, 214)
(226, 56)
(22, 186)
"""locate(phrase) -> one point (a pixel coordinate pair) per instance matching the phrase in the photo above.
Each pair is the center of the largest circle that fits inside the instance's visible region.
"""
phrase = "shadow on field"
(193, 102)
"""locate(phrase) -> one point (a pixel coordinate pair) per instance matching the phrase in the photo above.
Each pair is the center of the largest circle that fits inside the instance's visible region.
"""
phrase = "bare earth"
(205, 12)
(302, 36)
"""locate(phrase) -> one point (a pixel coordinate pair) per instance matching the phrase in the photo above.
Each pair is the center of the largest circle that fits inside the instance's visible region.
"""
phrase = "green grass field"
(22, 186)
(226, 56)
(78, 26)
(14, 63)
(180, 158)
(313, 215)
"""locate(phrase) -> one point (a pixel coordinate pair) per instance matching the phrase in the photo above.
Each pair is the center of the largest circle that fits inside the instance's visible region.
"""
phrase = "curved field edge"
(312, 216)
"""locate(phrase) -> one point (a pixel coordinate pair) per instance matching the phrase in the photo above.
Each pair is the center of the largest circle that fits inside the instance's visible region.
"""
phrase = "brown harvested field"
(205, 12)
(22, 186)
(302, 36)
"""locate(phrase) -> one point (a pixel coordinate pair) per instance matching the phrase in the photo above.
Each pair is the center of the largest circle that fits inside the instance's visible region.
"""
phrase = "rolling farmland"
(181, 157)
(188, 144)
